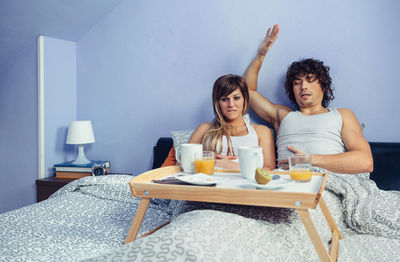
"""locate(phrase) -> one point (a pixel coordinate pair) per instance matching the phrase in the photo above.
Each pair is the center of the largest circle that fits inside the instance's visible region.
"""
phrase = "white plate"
(201, 179)
(275, 184)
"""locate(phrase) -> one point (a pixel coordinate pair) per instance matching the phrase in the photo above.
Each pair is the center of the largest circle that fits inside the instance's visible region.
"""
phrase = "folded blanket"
(367, 209)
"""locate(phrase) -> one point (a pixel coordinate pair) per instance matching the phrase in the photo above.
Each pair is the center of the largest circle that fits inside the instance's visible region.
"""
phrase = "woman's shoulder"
(260, 128)
(199, 133)
(264, 133)
(204, 126)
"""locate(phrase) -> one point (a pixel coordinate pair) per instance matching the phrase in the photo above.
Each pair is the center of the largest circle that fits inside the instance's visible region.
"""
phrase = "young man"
(333, 136)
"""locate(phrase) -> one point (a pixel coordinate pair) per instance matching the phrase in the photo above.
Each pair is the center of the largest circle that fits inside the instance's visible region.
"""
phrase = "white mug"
(186, 156)
(250, 158)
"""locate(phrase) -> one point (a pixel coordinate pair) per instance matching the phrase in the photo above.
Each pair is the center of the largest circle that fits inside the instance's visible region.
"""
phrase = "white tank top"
(315, 134)
(251, 139)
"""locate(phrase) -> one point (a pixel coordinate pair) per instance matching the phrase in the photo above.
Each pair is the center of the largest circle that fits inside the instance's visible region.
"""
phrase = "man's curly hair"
(306, 67)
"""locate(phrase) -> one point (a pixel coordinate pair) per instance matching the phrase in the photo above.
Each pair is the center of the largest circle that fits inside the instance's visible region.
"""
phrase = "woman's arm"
(220, 161)
(226, 162)
(266, 141)
(198, 134)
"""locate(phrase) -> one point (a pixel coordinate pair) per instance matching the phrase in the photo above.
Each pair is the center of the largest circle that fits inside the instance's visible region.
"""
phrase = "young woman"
(229, 130)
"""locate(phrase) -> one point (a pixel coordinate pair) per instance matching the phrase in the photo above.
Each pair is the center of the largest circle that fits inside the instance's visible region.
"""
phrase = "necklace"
(236, 130)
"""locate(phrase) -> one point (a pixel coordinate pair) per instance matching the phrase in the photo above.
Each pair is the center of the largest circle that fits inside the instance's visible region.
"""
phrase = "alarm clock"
(99, 169)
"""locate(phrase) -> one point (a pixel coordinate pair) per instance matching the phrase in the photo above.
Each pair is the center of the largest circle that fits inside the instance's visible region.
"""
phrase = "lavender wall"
(148, 67)
(19, 114)
(60, 100)
(18, 130)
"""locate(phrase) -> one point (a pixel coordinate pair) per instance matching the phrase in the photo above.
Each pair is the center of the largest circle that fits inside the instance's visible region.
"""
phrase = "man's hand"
(285, 162)
(268, 41)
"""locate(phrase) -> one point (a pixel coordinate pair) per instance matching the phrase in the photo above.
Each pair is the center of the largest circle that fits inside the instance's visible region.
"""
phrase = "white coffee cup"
(250, 158)
(186, 156)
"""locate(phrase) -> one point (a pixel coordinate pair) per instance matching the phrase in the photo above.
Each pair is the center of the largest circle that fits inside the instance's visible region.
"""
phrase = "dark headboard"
(161, 150)
(386, 172)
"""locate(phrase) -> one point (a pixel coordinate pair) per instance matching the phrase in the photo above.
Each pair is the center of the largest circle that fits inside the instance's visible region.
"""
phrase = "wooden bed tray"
(141, 186)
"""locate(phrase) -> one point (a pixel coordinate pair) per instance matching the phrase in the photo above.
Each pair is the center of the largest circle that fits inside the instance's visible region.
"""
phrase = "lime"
(262, 176)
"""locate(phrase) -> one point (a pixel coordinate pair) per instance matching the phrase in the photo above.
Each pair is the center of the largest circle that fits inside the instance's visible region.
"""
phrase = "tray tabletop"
(236, 190)
(301, 196)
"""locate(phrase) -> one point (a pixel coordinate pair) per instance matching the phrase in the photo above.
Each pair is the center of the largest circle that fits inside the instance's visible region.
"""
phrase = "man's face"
(307, 91)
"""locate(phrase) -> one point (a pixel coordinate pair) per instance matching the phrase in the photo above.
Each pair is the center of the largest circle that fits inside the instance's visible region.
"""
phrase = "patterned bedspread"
(85, 218)
(368, 218)
(88, 220)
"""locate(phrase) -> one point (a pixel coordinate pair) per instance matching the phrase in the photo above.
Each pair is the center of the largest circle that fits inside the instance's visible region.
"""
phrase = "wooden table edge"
(147, 190)
(141, 187)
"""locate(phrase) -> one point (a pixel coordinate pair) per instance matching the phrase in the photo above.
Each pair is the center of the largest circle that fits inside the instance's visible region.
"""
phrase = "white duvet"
(89, 219)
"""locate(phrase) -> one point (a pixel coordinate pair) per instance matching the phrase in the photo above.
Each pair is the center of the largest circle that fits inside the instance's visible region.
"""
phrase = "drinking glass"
(204, 162)
(300, 167)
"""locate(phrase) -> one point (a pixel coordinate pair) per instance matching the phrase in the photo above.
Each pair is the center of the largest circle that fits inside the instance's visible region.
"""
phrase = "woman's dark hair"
(224, 86)
(219, 127)
(306, 67)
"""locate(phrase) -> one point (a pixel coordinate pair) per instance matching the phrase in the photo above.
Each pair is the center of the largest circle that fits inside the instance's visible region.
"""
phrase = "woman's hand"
(226, 162)
(268, 41)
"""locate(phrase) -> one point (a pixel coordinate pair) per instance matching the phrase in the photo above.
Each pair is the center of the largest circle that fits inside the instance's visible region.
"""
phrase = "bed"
(367, 216)
(88, 220)
(81, 220)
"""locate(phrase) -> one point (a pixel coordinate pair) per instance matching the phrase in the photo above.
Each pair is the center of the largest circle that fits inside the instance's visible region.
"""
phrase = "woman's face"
(232, 105)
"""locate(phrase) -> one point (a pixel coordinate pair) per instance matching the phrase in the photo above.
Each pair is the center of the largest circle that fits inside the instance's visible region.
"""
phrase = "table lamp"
(80, 133)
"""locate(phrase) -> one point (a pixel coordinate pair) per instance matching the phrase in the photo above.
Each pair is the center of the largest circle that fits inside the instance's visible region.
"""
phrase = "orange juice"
(300, 174)
(205, 166)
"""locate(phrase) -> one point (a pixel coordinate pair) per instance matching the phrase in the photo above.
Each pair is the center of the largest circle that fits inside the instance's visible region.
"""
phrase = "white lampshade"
(80, 132)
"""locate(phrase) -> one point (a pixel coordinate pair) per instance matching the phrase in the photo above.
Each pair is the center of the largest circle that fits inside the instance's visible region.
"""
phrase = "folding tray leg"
(137, 221)
(334, 229)
(313, 234)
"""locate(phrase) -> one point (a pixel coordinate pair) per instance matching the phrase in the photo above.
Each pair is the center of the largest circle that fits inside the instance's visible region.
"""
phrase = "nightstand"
(47, 186)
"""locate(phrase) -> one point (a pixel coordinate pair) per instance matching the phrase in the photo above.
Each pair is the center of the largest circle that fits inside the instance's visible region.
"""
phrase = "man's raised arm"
(263, 107)
(251, 73)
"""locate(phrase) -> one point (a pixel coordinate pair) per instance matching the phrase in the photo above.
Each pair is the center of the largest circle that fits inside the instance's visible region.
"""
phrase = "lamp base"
(81, 158)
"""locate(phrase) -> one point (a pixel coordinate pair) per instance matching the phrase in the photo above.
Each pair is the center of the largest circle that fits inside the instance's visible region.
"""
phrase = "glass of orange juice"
(300, 167)
(204, 162)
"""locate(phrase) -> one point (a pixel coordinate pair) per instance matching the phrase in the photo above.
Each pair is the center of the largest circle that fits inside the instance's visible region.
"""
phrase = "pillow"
(180, 137)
